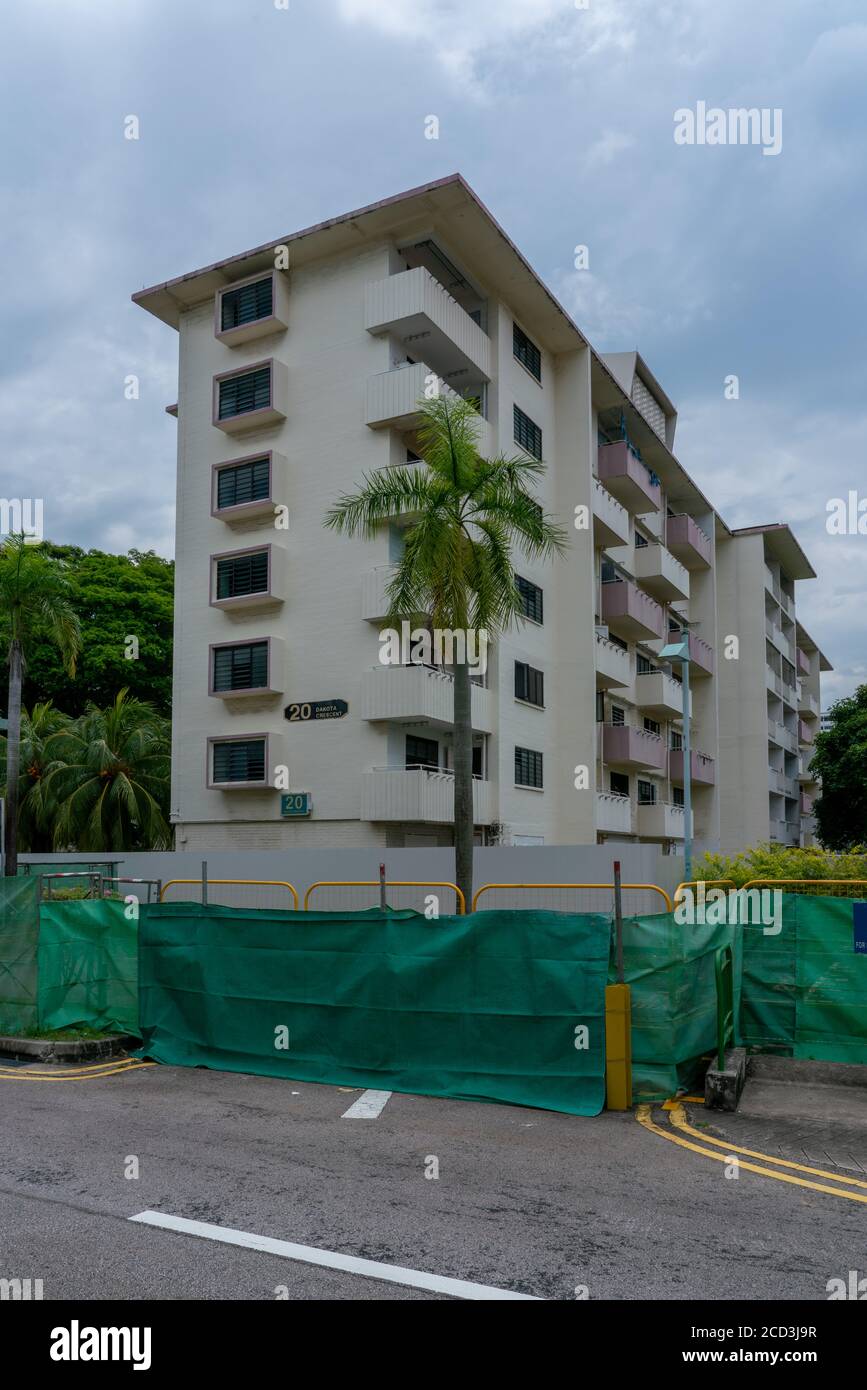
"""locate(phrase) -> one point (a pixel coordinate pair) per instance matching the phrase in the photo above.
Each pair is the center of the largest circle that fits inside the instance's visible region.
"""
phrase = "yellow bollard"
(618, 1047)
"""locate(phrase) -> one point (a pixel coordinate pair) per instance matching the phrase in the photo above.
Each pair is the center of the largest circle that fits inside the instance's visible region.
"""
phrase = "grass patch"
(81, 1034)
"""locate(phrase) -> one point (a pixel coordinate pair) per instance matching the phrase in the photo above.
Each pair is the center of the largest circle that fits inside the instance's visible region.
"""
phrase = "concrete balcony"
(700, 656)
(420, 794)
(804, 773)
(660, 821)
(628, 479)
(630, 613)
(785, 832)
(773, 680)
(781, 785)
(623, 746)
(805, 733)
(612, 664)
(421, 694)
(660, 573)
(688, 542)
(614, 814)
(610, 519)
(807, 703)
(413, 305)
(803, 663)
(702, 767)
(374, 601)
(392, 401)
(659, 694)
(806, 803)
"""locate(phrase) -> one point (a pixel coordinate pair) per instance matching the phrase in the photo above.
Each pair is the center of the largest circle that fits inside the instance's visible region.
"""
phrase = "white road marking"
(368, 1106)
(330, 1259)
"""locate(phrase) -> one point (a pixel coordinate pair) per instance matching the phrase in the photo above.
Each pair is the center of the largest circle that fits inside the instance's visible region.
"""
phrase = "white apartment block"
(287, 730)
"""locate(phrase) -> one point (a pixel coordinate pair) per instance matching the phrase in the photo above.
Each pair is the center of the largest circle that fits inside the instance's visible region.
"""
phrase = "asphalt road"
(526, 1201)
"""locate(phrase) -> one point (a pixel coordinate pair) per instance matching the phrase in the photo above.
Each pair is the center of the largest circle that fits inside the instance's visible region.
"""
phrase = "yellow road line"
(73, 1068)
(678, 1119)
(643, 1115)
(25, 1075)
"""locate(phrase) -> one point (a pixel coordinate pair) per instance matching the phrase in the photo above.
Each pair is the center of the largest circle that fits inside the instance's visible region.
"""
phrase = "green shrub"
(779, 861)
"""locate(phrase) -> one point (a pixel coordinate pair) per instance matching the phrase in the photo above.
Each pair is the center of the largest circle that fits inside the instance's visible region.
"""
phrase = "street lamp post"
(678, 654)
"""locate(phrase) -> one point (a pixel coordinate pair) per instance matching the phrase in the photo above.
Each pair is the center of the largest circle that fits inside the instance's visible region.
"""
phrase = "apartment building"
(301, 364)
(769, 691)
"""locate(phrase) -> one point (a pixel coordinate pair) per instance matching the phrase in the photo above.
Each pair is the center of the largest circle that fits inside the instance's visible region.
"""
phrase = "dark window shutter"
(241, 394)
(247, 482)
(240, 761)
(247, 304)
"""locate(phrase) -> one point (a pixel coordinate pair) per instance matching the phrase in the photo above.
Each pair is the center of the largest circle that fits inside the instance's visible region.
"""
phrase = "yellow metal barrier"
(705, 882)
(646, 887)
(238, 882)
(460, 901)
(819, 884)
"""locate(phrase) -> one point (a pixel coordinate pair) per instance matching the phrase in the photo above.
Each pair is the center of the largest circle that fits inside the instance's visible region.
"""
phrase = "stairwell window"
(239, 761)
(527, 433)
(526, 352)
(528, 768)
(531, 598)
(247, 304)
(529, 684)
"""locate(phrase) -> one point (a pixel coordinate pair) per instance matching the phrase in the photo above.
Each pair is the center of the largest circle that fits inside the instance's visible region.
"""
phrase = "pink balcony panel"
(631, 613)
(633, 747)
(805, 733)
(702, 768)
(700, 656)
(627, 478)
(803, 663)
(685, 539)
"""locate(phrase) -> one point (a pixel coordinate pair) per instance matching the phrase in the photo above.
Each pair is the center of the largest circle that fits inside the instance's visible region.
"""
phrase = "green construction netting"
(88, 966)
(19, 934)
(488, 1007)
(65, 964)
(805, 989)
(670, 968)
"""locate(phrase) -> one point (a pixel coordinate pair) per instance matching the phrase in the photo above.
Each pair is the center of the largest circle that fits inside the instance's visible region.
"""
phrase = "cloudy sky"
(259, 117)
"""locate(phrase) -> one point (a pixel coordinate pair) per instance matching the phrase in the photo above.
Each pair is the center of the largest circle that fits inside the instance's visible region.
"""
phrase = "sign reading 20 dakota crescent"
(315, 709)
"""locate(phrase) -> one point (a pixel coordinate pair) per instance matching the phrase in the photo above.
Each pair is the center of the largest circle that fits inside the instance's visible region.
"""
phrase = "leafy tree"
(116, 597)
(34, 594)
(840, 760)
(110, 779)
(36, 808)
(466, 513)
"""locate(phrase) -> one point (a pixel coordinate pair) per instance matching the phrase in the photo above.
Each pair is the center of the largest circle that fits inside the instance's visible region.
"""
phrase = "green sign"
(296, 804)
(315, 709)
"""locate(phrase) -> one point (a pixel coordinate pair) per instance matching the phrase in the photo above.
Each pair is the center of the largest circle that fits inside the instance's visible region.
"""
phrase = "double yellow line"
(678, 1118)
(59, 1072)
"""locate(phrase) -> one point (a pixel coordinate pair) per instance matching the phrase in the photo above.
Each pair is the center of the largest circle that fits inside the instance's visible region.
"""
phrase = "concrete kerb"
(78, 1050)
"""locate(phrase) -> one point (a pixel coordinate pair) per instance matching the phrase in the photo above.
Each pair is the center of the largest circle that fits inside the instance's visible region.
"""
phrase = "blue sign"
(859, 918)
(296, 804)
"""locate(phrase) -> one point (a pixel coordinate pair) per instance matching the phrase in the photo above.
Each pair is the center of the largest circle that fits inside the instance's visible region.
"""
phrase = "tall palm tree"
(36, 807)
(111, 779)
(34, 598)
(465, 515)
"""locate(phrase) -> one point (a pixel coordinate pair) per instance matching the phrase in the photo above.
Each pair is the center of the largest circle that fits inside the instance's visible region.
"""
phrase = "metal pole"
(204, 883)
(687, 780)
(618, 921)
(382, 902)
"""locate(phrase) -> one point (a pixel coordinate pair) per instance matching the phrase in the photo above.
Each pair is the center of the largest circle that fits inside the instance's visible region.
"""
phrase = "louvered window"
(243, 574)
(247, 304)
(244, 667)
(528, 768)
(248, 391)
(242, 760)
(531, 598)
(527, 433)
(529, 684)
(526, 352)
(246, 482)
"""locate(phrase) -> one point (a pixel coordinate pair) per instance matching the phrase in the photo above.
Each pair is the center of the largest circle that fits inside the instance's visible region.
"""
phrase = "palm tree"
(465, 515)
(36, 807)
(110, 779)
(34, 598)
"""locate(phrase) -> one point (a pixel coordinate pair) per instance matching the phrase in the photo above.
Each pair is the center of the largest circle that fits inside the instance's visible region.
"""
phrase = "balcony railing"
(414, 302)
(657, 570)
(624, 475)
(659, 693)
(408, 694)
(629, 612)
(610, 518)
(685, 539)
(612, 664)
(422, 794)
(614, 813)
(702, 767)
(805, 733)
(700, 656)
(803, 663)
(658, 820)
(627, 747)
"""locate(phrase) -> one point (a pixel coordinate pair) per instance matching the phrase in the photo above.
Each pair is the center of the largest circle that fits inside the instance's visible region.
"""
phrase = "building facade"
(301, 364)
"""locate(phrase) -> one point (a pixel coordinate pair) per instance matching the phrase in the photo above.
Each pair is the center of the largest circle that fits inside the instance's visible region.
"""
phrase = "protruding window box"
(241, 762)
(248, 579)
(241, 670)
(252, 308)
(243, 489)
(686, 540)
(703, 768)
(624, 475)
(252, 398)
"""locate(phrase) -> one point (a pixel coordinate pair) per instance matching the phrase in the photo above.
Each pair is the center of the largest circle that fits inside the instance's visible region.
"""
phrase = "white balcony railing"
(420, 794)
(421, 693)
(614, 814)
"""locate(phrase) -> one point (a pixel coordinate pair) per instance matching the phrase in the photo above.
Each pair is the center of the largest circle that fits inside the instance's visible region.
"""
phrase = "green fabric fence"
(19, 933)
(492, 1006)
(805, 989)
